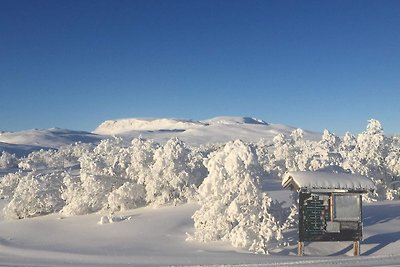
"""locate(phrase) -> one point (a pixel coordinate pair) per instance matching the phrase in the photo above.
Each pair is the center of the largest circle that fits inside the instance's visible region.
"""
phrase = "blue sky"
(310, 64)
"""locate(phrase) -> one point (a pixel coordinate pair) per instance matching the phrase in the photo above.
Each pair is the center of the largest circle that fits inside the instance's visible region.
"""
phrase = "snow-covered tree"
(281, 154)
(264, 156)
(170, 181)
(141, 159)
(232, 206)
(36, 194)
(367, 158)
(64, 157)
(325, 153)
(103, 170)
(129, 196)
(8, 161)
(8, 183)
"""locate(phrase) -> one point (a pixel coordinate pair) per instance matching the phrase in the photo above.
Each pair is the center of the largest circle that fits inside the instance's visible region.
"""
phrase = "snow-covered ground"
(77, 180)
(152, 237)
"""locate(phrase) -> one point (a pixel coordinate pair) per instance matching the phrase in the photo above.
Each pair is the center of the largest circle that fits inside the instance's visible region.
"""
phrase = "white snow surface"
(157, 237)
(327, 180)
(48, 138)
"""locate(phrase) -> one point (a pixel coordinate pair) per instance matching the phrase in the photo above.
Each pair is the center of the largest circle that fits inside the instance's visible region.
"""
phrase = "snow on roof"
(327, 180)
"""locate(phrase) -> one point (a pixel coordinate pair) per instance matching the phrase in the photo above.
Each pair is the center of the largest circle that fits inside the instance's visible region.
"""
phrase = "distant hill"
(23, 142)
(215, 130)
(192, 132)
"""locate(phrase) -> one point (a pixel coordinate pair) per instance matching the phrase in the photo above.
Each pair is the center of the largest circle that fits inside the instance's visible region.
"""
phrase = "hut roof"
(326, 180)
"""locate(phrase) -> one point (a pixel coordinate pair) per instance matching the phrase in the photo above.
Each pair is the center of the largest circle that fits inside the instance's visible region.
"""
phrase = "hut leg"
(300, 248)
(356, 248)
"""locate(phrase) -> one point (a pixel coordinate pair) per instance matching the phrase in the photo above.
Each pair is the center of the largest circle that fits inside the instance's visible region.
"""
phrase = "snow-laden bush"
(64, 157)
(8, 161)
(114, 177)
(141, 154)
(103, 170)
(129, 196)
(232, 206)
(367, 157)
(170, 180)
(8, 183)
(314, 156)
(36, 194)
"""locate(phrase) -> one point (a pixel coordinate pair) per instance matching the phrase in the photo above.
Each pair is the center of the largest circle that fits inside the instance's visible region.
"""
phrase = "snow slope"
(51, 138)
(215, 130)
(153, 237)
(23, 142)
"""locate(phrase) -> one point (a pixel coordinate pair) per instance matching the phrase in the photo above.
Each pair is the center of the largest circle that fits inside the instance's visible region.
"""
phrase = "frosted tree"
(64, 157)
(36, 194)
(232, 206)
(392, 163)
(288, 153)
(326, 152)
(264, 156)
(170, 181)
(347, 145)
(197, 171)
(141, 159)
(40, 160)
(367, 158)
(8, 183)
(281, 153)
(129, 196)
(8, 161)
(103, 170)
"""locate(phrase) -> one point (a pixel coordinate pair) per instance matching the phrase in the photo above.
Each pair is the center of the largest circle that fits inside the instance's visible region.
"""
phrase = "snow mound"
(111, 127)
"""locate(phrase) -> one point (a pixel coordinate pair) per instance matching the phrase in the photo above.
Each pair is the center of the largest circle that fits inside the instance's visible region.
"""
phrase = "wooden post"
(331, 206)
(356, 248)
(300, 248)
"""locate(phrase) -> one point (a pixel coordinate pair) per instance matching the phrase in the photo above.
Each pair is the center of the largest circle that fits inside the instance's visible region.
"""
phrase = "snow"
(215, 130)
(234, 120)
(154, 237)
(116, 233)
(112, 127)
(48, 138)
(192, 132)
(327, 180)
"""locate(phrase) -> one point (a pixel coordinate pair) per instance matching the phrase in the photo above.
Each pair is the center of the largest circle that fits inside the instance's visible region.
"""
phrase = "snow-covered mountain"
(192, 132)
(215, 130)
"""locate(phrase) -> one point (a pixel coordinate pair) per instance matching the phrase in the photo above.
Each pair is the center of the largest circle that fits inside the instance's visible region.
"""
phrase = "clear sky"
(309, 64)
